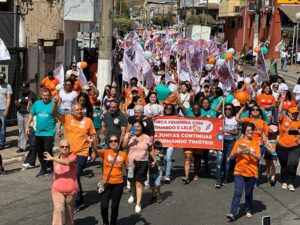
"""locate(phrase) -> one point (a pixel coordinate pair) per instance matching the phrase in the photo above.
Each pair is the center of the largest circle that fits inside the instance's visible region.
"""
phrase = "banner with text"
(189, 132)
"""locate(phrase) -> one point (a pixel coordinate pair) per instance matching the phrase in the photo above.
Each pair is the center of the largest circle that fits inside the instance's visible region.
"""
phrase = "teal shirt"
(215, 102)
(96, 118)
(203, 113)
(265, 118)
(45, 120)
(208, 113)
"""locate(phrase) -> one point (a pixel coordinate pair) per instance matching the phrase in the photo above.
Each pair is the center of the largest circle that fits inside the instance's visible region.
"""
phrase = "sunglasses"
(113, 141)
(74, 66)
(255, 109)
(228, 108)
(169, 108)
(64, 146)
(69, 85)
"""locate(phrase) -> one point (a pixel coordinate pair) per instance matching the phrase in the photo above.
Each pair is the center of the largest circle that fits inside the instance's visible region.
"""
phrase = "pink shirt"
(65, 177)
(138, 150)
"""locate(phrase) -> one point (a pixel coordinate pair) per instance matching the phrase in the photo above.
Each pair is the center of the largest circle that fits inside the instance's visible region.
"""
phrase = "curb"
(13, 160)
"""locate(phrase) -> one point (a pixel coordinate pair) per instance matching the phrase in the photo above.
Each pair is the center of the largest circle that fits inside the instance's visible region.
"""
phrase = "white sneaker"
(138, 209)
(291, 188)
(248, 215)
(131, 199)
(284, 186)
(27, 166)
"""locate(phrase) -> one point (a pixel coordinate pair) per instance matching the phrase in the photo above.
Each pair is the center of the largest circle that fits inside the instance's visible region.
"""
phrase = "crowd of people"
(116, 125)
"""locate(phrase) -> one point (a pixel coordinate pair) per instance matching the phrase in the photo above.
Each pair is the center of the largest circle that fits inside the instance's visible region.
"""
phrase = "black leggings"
(113, 192)
(289, 159)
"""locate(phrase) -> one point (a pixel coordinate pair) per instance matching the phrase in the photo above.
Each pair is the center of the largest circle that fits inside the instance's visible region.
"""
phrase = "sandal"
(185, 181)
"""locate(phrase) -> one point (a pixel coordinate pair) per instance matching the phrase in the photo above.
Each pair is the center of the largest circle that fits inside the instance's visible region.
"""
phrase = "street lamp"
(297, 40)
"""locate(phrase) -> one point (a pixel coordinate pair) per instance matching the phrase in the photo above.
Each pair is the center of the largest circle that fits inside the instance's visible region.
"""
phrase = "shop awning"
(290, 11)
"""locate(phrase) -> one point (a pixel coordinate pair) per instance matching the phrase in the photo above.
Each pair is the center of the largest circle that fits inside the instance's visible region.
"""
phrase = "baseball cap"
(2, 75)
(50, 72)
(294, 109)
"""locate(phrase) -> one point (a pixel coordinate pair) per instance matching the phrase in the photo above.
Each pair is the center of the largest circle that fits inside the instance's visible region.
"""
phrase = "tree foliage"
(122, 10)
(201, 19)
(160, 21)
(122, 24)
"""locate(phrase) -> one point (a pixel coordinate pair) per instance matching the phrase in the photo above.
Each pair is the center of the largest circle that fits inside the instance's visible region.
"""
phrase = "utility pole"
(256, 19)
(104, 72)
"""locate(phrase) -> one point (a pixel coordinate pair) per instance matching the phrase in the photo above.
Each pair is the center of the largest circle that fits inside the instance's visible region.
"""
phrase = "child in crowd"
(270, 154)
(97, 118)
(155, 173)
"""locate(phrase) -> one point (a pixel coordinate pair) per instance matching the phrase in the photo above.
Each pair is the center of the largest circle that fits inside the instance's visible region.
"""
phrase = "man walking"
(22, 113)
(45, 129)
(5, 98)
(80, 132)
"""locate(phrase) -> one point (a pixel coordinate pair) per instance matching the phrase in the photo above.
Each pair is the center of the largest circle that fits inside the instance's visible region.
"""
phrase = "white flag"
(59, 73)
(4, 54)
(278, 46)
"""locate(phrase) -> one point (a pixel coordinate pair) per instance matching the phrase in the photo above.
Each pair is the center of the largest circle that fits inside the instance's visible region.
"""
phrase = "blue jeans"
(169, 154)
(81, 161)
(223, 160)
(283, 61)
(3, 128)
(239, 183)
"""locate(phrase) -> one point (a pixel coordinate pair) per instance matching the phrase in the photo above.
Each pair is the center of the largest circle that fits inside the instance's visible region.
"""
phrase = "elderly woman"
(114, 158)
(246, 152)
(65, 187)
(139, 146)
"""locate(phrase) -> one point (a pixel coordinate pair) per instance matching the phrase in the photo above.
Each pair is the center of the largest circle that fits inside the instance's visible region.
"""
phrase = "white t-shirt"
(148, 112)
(66, 100)
(296, 91)
(298, 57)
(276, 95)
(5, 90)
(282, 87)
(185, 99)
(230, 124)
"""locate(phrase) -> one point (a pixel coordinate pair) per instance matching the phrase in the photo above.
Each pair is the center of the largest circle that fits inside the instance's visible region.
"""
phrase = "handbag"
(103, 184)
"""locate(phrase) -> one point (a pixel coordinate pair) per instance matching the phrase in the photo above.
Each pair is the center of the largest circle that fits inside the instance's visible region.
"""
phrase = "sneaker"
(248, 215)
(272, 182)
(153, 199)
(159, 199)
(284, 186)
(137, 209)
(231, 217)
(27, 166)
(130, 199)
(167, 179)
(42, 174)
(2, 171)
(291, 188)
(218, 185)
(78, 208)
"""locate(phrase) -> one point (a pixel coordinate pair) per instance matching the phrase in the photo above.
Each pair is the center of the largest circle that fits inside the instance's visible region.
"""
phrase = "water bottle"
(130, 169)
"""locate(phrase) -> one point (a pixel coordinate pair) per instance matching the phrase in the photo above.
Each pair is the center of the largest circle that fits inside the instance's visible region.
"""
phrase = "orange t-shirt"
(76, 132)
(50, 84)
(246, 164)
(116, 176)
(287, 104)
(285, 139)
(77, 86)
(264, 100)
(260, 128)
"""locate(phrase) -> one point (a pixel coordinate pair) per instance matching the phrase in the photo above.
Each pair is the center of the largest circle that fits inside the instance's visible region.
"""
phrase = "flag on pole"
(262, 72)
(59, 73)
(278, 46)
(4, 53)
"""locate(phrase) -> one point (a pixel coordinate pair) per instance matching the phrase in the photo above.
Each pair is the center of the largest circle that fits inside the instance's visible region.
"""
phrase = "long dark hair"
(87, 105)
(148, 97)
(134, 100)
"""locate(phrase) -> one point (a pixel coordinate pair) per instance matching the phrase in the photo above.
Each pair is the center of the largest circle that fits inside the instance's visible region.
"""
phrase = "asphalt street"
(26, 200)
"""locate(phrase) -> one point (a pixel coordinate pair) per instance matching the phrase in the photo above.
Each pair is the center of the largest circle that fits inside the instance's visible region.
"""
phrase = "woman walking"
(139, 146)
(246, 152)
(64, 188)
(113, 160)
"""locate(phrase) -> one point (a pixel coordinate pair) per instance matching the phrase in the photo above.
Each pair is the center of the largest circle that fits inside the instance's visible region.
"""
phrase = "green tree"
(122, 24)
(123, 10)
(201, 19)
(160, 21)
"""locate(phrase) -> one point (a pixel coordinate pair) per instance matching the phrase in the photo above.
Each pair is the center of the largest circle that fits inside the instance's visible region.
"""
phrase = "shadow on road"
(90, 220)
(258, 206)
(132, 219)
